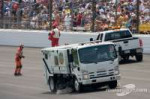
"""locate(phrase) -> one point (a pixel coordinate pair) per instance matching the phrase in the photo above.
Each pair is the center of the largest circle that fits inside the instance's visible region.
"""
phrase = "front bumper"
(100, 80)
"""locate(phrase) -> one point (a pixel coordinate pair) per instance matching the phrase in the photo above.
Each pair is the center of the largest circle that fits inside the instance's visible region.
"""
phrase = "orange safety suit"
(18, 62)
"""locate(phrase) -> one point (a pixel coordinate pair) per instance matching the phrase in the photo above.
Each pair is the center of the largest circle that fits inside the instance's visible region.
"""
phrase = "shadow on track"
(130, 61)
(71, 92)
(87, 90)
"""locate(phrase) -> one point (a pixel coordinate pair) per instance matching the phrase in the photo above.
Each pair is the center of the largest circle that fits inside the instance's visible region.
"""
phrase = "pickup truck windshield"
(117, 35)
(97, 54)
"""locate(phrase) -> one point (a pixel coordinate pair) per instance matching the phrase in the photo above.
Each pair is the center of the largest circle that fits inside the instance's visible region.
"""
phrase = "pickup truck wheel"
(52, 85)
(126, 58)
(112, 84)
(139, 58)
(77, 86)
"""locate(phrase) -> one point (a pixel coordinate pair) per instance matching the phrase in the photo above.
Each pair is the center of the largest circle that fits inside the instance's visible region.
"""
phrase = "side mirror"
(91, 39)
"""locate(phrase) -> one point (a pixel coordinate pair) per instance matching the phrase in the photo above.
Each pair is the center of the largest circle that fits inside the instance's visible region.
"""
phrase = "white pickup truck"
(127, 45)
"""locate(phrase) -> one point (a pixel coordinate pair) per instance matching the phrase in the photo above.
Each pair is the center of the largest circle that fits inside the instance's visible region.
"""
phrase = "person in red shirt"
(18, 57)
(79, 18)
(54, 36)
(15, 7)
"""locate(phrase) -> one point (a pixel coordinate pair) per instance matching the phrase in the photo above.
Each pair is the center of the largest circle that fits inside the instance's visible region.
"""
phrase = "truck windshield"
(97, 54)
(117, 35)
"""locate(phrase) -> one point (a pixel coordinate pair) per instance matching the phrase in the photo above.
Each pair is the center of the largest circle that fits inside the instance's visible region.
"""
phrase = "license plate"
(138, 50)
(127, 51)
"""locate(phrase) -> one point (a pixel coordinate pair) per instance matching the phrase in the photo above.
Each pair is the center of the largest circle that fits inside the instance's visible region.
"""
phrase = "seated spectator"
(124, 13)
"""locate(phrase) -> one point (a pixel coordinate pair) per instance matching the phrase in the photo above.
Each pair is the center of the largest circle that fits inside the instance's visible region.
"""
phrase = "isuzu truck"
(84, 64)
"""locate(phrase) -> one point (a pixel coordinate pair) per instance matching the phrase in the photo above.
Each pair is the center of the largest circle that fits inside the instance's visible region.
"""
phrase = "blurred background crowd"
(85, 15)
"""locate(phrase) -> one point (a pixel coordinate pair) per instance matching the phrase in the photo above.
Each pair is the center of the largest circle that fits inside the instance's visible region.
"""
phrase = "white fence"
(32, 38)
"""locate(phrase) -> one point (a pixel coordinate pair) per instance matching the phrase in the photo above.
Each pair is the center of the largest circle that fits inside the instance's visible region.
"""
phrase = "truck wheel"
(139, 58)
(126, 58)
(52, 85)
(77, 86)
(112, 84)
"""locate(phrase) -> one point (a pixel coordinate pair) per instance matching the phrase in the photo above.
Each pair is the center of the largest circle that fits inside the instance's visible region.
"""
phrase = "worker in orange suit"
(54, 36)
(19, 56)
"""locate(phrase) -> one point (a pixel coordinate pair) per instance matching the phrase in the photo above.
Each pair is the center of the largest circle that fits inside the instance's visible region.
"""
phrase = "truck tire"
(139, 58)
(126, 58)
(112, 84)
(52, 85)
(77, 86)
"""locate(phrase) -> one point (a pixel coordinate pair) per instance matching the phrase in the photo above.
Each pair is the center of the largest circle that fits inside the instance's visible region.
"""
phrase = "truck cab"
(83, 64)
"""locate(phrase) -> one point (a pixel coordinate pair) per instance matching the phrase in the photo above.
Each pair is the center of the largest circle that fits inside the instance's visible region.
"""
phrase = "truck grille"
(103, 73)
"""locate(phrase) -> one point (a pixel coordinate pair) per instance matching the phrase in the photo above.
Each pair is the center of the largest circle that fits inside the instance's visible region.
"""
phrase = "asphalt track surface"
(134, 84)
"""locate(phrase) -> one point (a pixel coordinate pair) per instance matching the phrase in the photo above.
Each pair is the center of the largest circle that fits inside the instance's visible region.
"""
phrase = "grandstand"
(77, 15)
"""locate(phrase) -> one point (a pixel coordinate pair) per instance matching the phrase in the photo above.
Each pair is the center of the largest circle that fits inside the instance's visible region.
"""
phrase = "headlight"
(116, 70)
(85, 75)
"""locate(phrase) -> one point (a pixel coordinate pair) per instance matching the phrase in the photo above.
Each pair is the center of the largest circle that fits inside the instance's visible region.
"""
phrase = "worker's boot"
(19, 74)
(19, 71)
(15, 74)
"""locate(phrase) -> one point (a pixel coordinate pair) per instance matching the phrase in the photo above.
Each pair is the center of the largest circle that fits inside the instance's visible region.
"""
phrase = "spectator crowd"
(67, 14)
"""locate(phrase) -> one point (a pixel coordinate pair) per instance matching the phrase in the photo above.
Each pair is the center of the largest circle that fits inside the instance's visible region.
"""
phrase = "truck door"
(76, 68)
